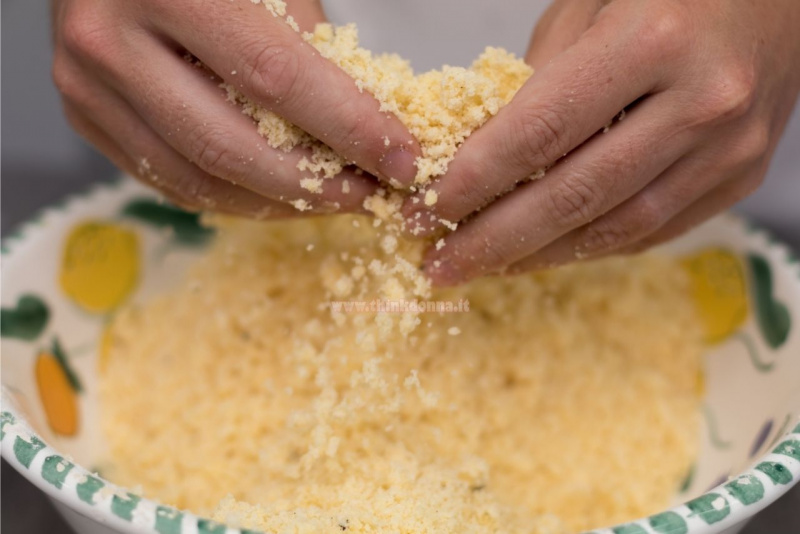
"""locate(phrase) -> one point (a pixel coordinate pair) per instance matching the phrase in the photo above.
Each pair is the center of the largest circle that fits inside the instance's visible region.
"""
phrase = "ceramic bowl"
(66, 271)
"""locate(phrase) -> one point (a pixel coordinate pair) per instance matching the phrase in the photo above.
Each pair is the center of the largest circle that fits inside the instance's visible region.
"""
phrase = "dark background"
(42, 161)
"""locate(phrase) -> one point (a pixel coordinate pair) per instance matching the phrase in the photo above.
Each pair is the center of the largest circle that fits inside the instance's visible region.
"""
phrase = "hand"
(708, 87)
(120, 67)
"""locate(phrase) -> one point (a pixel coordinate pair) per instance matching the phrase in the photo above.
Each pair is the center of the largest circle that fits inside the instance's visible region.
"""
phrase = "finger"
(272, 65)
(738, 160)
(629, 224)
(188, 110)
(97, 137)
(143, 154)
(590, 182)
(558, 109)
(558, 29)
(87, 129)
(716, 201)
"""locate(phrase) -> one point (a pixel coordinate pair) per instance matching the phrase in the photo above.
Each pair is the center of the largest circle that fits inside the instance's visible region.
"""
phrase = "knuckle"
(274, 71)
(489, 252)
(649, 215)
(733, 93)
(540, 138)
(662, 32)
(574, 200)
(83, 34)
(605, 236)
(496, 257)
(352, 136)
(467, 191)
(209, 149)
(612, 233)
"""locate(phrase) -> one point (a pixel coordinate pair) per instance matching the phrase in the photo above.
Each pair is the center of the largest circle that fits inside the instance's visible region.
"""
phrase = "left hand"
(708, 86)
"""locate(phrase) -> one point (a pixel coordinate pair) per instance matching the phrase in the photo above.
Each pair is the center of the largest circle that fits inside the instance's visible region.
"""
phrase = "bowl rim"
(92, 496)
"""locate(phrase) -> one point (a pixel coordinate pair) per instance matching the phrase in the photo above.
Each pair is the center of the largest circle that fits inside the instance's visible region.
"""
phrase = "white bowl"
(750, 450)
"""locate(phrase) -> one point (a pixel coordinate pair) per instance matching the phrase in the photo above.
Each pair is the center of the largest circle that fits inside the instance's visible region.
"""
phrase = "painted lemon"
(100, 265)
(58, 394)
(719, 288)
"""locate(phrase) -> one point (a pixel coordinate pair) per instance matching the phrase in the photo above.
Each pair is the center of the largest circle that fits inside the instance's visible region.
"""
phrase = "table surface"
(24, 510)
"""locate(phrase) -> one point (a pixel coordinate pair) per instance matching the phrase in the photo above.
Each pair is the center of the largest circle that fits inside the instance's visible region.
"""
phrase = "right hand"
(120, 67)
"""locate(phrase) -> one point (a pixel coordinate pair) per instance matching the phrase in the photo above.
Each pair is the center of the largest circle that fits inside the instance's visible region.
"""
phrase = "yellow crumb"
(448, 224)
(431, 197)
(313, 185)
(300, 204)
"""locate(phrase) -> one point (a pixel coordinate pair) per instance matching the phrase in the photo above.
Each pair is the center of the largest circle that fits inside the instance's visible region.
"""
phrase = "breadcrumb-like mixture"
(562, 401)
(440, 108)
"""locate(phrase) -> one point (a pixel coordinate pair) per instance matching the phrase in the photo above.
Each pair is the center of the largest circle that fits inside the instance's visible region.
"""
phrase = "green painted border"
(773, 475)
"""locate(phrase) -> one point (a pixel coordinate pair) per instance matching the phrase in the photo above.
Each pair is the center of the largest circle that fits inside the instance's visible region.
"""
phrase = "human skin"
(127, 87)
(708, 87)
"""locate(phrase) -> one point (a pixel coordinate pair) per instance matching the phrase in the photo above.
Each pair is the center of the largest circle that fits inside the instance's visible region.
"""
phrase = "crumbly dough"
(562, 401)
(440, 108)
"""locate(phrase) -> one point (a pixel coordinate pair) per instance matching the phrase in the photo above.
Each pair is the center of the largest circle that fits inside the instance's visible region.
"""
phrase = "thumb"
(307, 13)
(559, 28)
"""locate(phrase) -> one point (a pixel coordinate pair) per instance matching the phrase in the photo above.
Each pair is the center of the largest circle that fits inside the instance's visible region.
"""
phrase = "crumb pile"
(562, 401)
(440, 108)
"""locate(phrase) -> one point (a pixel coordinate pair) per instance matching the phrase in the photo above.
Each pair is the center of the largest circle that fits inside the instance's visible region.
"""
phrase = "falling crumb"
(449, 225)
(454, 331)
(292, 23)
(300, 204)
(431, 197)
(313, 185)
(389, 244)
(440, 244)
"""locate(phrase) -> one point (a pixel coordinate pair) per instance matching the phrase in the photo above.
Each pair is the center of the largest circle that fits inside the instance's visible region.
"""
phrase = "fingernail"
(398, 166)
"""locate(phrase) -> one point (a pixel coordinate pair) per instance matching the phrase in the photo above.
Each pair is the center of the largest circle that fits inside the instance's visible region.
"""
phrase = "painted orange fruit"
(58, 395)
